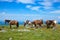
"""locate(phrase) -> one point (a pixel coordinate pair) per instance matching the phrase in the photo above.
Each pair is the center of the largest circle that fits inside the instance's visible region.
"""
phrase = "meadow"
(23, 33)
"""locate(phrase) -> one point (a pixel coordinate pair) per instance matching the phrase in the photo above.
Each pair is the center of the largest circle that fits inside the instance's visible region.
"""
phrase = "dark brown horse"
(51, 22)
(12, 22)
(37, 22)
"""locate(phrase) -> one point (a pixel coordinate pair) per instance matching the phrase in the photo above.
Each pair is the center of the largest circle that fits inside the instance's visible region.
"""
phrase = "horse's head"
(7, 21)
(27, 21)
(41, 20)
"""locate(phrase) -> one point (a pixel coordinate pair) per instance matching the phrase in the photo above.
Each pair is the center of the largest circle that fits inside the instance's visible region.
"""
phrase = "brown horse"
(12, 22)
(51, 22)
(37, 22)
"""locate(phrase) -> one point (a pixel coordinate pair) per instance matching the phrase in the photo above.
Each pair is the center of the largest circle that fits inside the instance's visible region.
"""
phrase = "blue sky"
(29, 9)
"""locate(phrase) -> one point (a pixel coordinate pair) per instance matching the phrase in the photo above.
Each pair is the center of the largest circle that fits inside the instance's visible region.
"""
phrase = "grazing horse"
(27, 22)
(37, 22)
(12, 22)
(51, 22)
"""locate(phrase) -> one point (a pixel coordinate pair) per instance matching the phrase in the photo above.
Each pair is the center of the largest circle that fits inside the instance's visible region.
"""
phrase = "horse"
(12, 22)
(51, 22)
(37, 22)
(27, 22)
(34, 23)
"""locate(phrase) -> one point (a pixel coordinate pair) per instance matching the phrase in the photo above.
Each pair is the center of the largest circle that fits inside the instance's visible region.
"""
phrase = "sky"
(22, 10)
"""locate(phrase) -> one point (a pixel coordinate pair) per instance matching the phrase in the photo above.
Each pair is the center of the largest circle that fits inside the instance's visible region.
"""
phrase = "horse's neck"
(8, 21)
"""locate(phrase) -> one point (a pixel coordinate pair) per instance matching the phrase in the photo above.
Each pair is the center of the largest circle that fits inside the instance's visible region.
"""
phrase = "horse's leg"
(33, 25)
(48, 26)
(10, 26)
(40, 25)
(36, 26)
(17, 25)
(24, 24)
(54, 26)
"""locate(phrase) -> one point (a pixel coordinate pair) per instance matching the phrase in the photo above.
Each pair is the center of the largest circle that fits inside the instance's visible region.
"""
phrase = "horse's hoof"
(0, 29)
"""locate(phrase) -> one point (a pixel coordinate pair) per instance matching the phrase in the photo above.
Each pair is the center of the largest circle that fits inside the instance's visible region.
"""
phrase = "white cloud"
(56, 11)
(36, 8)
(3, 13)
(48, 8)
(47, 4)
(56, 0)
(7, 0)
(59, 17)
(26, 1)
(28, 6)
(48, 0)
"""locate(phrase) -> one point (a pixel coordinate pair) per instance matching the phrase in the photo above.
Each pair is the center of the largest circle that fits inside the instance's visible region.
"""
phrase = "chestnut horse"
(51, 22)
(37, 22)
(34, 23)
(12, 22)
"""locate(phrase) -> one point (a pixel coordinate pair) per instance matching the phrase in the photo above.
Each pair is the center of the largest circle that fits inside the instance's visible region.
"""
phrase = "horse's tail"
(17, 24)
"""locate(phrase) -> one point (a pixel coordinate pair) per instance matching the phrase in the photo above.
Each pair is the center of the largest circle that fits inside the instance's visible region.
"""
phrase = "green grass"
(33, 34)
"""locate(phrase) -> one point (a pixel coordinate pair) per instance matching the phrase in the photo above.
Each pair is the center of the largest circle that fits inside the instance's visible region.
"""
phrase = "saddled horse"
(12, 22)
(37, 22)
(51, 22)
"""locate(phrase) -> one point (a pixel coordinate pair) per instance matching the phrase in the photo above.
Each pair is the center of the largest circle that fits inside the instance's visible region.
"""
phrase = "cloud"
(56, 0)
(3, 13)
(48, 8)
(47, 4)
(26, 1)
(59, 17)
(7, 0)
(36, 8)
(28, 6)
(56, 11)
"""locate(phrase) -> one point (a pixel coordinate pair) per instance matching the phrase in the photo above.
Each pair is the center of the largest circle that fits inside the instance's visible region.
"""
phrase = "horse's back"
(51, 22)
(13, 22)
(38, 21)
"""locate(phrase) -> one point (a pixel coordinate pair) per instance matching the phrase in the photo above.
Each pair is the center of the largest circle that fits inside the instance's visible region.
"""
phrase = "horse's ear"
(55, 21)
(4, 20)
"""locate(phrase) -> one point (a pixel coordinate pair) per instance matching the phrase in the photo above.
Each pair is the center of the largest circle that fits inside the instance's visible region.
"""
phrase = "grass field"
(31, 34)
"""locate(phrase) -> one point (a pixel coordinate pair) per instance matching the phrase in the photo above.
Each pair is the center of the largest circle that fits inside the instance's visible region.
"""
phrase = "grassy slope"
(39, 34)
